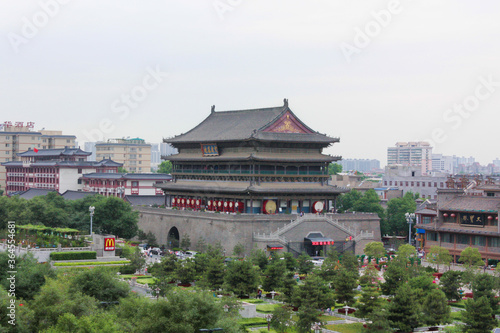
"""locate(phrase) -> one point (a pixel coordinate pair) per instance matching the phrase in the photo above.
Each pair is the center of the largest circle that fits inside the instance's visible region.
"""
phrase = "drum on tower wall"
(269, 207)
(318, 207)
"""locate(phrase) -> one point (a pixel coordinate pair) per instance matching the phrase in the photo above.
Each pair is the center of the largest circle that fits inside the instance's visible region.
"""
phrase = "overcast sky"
(370, 72)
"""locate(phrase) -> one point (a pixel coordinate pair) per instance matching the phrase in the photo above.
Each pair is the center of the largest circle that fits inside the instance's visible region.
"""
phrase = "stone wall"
(231, 229)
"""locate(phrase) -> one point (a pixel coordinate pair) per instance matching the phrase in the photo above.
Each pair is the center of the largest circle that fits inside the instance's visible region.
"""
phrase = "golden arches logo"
(109, 244)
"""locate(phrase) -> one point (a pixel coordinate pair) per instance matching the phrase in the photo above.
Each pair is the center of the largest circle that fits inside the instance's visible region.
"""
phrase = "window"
(7, 145)
(390, 183)
(441, 185)
(447, 237)
(435, 184)
(432, 236)
(7, 137)
(412, 184)
(494, 242)
(79, 171)
(426, 219)
(68, 140)
(406, 183)
(140, 162)
(430, 184)
(7, 152)
(135, 184)
(463, 239)
(418, 184)
(79, 181)
(423, 184)
(490, 194)
(479, 240)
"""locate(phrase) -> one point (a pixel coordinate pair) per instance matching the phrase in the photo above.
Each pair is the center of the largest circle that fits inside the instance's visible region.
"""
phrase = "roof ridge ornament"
(285, 102)
(213, 109)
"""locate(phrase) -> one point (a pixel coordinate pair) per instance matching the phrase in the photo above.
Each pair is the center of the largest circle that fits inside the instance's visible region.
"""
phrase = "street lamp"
(268, 318)
(91, 210)
(316, 327)
(409, 219)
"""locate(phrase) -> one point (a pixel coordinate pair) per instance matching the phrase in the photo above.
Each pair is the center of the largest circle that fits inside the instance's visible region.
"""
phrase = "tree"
(290, 261)
(350, 262)
(439, 255)
(334, 168)
(115, 216)
(288, 287)
(346, 201)
(151, 239)
(281, 320)
(395, 275)
(213, 275)
(307, 316)
(238, 250)
(273, 275)
(259, 258)
(185, 271)
(315, 292)
(368, 302)
(304, 264)
(345, 284)
(166, 267)
(241, 278)
(404, 310)
(436, 309)
(100, 284)
(101, 322)
(449, 283)
(406, 251)
(137, 260)
(375, 249)
(396, 210)
(422, 285)
(201, 245)
(30, 276)
(186, 242)
(56, 298)
(165, 167)
(478, 316)
(484, 285)
(470, 256)
(378, 322)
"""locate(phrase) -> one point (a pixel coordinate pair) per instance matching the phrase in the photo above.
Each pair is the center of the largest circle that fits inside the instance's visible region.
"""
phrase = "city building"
(134, 154)
(362, 165)
(463, 217)
(54, 169)
(90, 147)
(441, 163)
(20, 136)
(411, 154)
(123, 184)
(410, 179)
(254, 161)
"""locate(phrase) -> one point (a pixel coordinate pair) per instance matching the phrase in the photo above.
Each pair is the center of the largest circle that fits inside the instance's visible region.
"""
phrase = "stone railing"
(267, 238)
(363, 235)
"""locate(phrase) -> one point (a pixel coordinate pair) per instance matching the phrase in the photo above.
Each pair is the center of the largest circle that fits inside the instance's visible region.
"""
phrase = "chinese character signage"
(109, 244)
(472, 219)
(209, 149)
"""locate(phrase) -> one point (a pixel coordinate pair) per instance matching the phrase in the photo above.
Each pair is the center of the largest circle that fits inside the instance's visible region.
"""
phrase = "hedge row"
(91, 263)
(77, 255)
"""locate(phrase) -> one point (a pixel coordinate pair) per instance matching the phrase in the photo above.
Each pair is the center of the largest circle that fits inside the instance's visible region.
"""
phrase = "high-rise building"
(443, 163)
(19, 137)
(90, 147)
(134, 154)
(411, 154)
(362, 165)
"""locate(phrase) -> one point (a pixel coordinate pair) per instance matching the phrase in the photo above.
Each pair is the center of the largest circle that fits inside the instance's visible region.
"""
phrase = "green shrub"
(90, 263)
(78, 255)
(127, 269)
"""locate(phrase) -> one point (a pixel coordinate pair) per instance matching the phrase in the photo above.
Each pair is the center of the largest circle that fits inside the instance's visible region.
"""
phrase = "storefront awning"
(318, 239)
(274, 247)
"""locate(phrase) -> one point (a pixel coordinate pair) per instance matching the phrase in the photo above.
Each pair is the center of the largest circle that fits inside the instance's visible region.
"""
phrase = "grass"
(256, 321)
(457, 315)
(90, 263)
(330, 318)
(254, 301)
(267, 308)
(346, 328)
(147, 280)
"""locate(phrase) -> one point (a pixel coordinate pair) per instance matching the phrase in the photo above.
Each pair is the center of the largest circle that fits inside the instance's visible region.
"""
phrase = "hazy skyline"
(370, 72)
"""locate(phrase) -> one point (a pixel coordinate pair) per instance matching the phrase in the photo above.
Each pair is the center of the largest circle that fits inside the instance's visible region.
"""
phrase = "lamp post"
(409, 219)
(268, 318)
(91, 210)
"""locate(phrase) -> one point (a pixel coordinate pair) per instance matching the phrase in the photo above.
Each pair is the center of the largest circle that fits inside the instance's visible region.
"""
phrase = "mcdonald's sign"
(109, 244)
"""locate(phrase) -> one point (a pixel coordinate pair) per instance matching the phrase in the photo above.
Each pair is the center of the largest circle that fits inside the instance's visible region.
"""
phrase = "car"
(190, 254)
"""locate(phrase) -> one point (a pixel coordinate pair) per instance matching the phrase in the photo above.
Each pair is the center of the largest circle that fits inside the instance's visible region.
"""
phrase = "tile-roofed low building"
(262, 160)
(32, 192)
(145, 200)
(462, 220)
(123, 184)
(76, 195)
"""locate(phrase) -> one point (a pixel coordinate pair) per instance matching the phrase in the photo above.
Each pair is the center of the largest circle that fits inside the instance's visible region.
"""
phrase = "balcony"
(248, 172)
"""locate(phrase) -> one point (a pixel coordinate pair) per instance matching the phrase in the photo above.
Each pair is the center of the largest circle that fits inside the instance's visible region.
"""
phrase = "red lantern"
(490, 217)
(452, 215)
(445, 214)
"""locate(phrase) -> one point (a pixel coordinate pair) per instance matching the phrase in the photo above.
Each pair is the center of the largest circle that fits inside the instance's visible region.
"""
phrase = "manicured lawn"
(346, 328)
(256, 321)
(147, 280)
(330, 318)
(253, 300)
(457, 315)
(267, 308)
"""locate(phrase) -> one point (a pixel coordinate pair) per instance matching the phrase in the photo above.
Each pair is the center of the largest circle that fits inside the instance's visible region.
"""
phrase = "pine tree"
(368, 302)
(345, 284)
(436, 308)
(478, 317)
(449, 283)
(404, 309)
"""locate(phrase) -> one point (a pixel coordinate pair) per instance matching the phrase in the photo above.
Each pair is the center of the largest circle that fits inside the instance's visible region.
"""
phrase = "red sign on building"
(109, 244)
